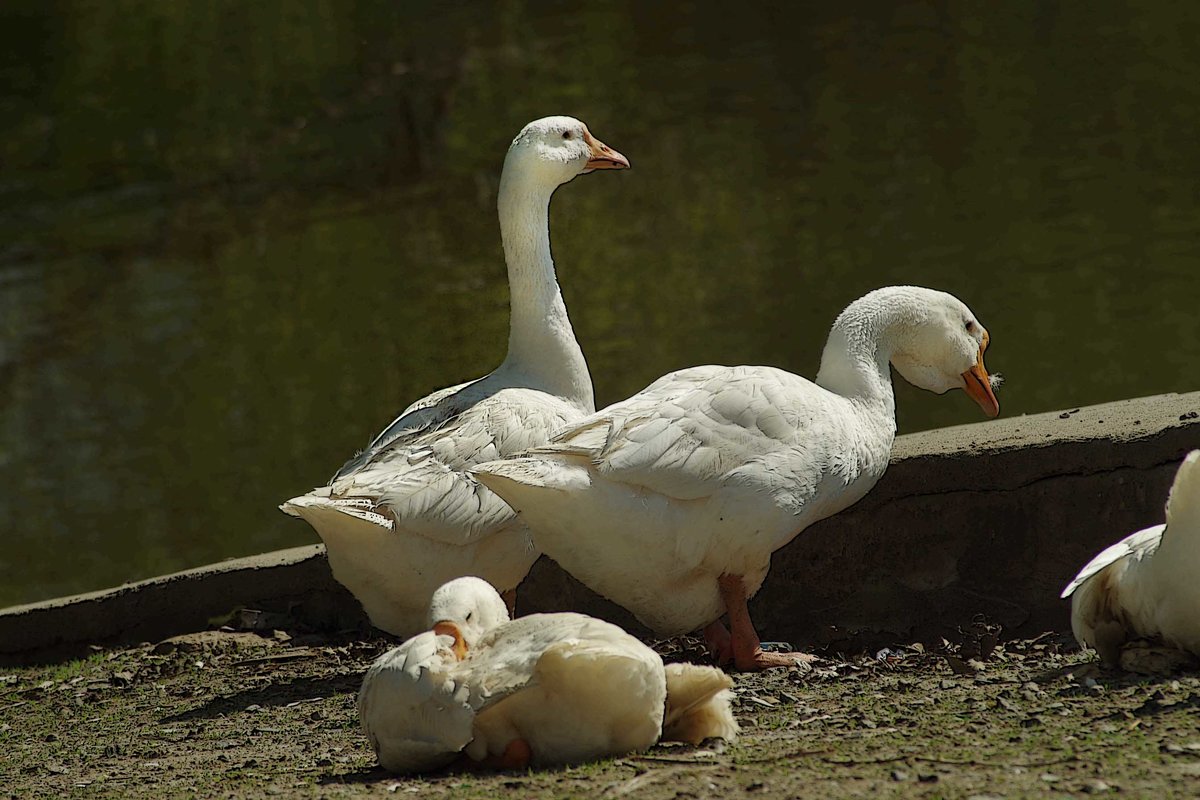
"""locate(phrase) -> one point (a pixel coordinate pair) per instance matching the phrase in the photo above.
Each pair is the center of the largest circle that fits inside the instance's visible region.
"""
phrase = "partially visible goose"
(1148, 584)
(404, 516)
(416, 715)
(541, 690)
(670, 503)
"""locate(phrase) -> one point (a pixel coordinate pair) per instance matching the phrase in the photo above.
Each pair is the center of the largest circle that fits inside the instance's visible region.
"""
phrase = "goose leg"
(748, 655)
(517, 755)
(719, 642)
(510, 599)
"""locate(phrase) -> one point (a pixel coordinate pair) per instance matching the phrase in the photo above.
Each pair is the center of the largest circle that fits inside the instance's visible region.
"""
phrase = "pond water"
(236, 238)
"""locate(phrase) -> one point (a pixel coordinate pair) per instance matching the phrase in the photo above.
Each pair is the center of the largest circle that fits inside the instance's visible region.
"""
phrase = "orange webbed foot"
(516, 756)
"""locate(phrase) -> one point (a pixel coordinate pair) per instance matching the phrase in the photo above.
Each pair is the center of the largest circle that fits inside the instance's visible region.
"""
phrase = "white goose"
(543, 689)
(404, 516)
(670, 503)
(1146, 586)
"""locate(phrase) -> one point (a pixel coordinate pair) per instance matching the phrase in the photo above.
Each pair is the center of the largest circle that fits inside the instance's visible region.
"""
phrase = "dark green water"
(236, 238)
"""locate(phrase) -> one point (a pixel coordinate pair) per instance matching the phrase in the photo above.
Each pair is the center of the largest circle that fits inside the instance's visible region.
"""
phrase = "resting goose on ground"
(540, 690)
(404, 515)
(1148, 584)
(670, 503)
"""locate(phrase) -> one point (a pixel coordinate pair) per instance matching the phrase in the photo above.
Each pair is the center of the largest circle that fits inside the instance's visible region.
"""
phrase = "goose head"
(553, 150)
(465, 609)
(938, 345)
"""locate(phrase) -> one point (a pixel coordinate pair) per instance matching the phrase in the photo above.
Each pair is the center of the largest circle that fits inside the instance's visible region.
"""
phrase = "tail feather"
(699, 704)
(312, 507)
(512, 478)
(1183, 505)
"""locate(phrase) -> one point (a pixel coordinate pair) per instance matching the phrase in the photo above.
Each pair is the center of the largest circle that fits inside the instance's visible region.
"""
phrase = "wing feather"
(1136, 545)
(506, 660)
(415, 713)
(689, 429)
(420, 481)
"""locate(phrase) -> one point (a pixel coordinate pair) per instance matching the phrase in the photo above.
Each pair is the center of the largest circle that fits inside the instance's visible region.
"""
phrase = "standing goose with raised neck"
(404, 516)
(670, 503)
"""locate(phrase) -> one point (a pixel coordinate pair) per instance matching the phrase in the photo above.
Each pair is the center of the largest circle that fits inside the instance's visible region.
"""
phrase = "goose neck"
(855, 362)
(542, 350)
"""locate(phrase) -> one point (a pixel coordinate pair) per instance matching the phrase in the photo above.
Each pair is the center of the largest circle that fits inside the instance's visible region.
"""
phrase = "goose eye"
(970, 326)
(469, 613)
(566, 134)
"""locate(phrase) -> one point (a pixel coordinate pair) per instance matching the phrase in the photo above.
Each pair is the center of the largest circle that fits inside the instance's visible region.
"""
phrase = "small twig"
(280, 657)
(963, 762)
(644, 779)
(855, 762)
(1038, 638)
(793, 754)
(670, 760)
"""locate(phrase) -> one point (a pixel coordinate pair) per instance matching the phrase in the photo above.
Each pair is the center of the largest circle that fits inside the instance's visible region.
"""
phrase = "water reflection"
(235, 238)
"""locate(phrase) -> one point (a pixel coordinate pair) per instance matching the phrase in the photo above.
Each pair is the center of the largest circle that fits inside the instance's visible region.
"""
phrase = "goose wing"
(412, 707)
(420, 479)
(1135, 545)
(691, 428)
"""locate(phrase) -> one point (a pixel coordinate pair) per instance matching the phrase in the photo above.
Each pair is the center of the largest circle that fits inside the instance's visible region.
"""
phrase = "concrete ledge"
(991, 518)
(296, 581)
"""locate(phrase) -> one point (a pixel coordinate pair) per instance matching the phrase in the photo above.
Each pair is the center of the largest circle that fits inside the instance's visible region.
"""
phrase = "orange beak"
(602, 156)
(979, 385)
(459, 647)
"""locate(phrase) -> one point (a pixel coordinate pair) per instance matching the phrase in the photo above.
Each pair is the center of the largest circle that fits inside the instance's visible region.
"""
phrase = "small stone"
(1095, 786)
(1050, 777)
(899, 775)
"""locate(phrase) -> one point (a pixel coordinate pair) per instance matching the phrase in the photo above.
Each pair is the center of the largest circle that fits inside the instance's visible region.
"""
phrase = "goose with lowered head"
(671, 502)
(1145, 585)
(404, 516)
(543, 689)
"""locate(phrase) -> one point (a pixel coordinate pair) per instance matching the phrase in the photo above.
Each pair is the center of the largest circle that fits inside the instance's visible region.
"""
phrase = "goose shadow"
(273, 694)
(461, 766)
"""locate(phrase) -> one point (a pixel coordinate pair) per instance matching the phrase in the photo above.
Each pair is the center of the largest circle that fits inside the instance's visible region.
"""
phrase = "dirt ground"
(255, 714)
